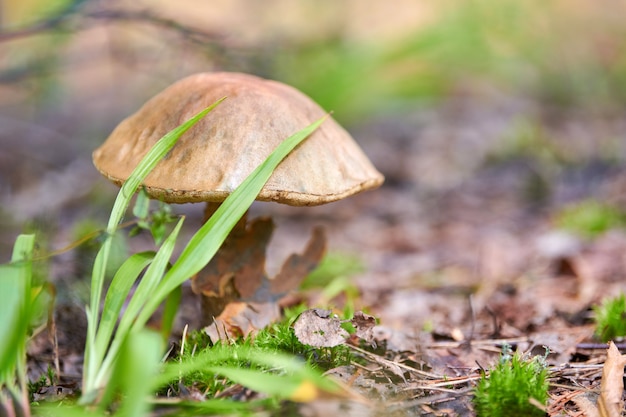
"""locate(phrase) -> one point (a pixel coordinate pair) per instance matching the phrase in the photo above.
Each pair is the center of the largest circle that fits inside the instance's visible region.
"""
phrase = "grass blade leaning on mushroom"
(223, 148)
(101, 353)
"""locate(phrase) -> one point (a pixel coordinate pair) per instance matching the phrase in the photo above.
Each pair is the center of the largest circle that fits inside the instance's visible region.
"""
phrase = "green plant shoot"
(158, 282)
(17, 301)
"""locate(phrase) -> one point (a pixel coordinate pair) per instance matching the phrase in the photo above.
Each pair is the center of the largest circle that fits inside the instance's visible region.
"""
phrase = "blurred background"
(489, 118)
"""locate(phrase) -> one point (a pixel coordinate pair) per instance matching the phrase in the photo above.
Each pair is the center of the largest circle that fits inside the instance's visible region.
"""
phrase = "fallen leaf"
(214, 304)
(610, 402)
(586, 402)
(364, 325)
(319, 328)
(242, 319)
(238, 298)
(240, 259)
(298, 266)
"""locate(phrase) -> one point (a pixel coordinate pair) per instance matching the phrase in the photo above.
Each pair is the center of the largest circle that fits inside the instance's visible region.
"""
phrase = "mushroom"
(223, 148)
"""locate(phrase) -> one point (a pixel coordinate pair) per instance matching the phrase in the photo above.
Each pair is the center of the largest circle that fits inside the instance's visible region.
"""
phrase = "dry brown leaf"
(610, 402)
(237, 275)
(364, 325)
(586, 402)
(298, 266)
(241, 319)
(242, 257)
(319, 328)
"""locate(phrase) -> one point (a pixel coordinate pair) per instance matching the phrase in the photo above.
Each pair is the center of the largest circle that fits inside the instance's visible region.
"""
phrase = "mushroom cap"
(213, 157)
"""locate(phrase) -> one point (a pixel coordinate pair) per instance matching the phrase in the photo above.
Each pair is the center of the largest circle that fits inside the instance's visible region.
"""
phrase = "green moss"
(610, 318)
(590, 218)
(277, 338)
(508, 388)
(280, 337)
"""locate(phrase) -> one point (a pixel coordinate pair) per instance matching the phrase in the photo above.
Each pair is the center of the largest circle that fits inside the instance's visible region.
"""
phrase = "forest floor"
(463, 249)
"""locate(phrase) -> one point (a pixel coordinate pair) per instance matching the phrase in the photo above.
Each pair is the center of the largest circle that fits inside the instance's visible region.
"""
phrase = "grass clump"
(513, 387)
(123, 357)
(610, 318)
(590, 218)
(276, 339)
(227, 373)
(280, 337)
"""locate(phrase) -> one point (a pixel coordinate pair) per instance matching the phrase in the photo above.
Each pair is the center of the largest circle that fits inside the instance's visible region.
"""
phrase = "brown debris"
(298, 266)
(238, 298)
(364, 325)
(321, 328)
(610, 402)
(238, 269)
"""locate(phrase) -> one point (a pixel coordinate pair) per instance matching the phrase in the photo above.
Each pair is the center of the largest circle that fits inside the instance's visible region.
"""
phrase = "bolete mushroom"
(222, 149)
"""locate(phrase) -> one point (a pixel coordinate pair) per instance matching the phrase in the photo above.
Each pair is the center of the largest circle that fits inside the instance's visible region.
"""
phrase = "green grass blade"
(116, 295)
(53, 409)
(15, 310)
(293, 372)
(153, 275)
(142, 294)
(268, 383)
(215, 407)
(138, 363)
(120, 206)
(172, 303)
(174, 370)
(15, 283)
(291, 365)
(160, 149)
(152, 290)
(212, 234)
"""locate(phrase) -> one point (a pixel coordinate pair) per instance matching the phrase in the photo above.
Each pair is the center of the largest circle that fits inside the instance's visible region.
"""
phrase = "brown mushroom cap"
(218, 153)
